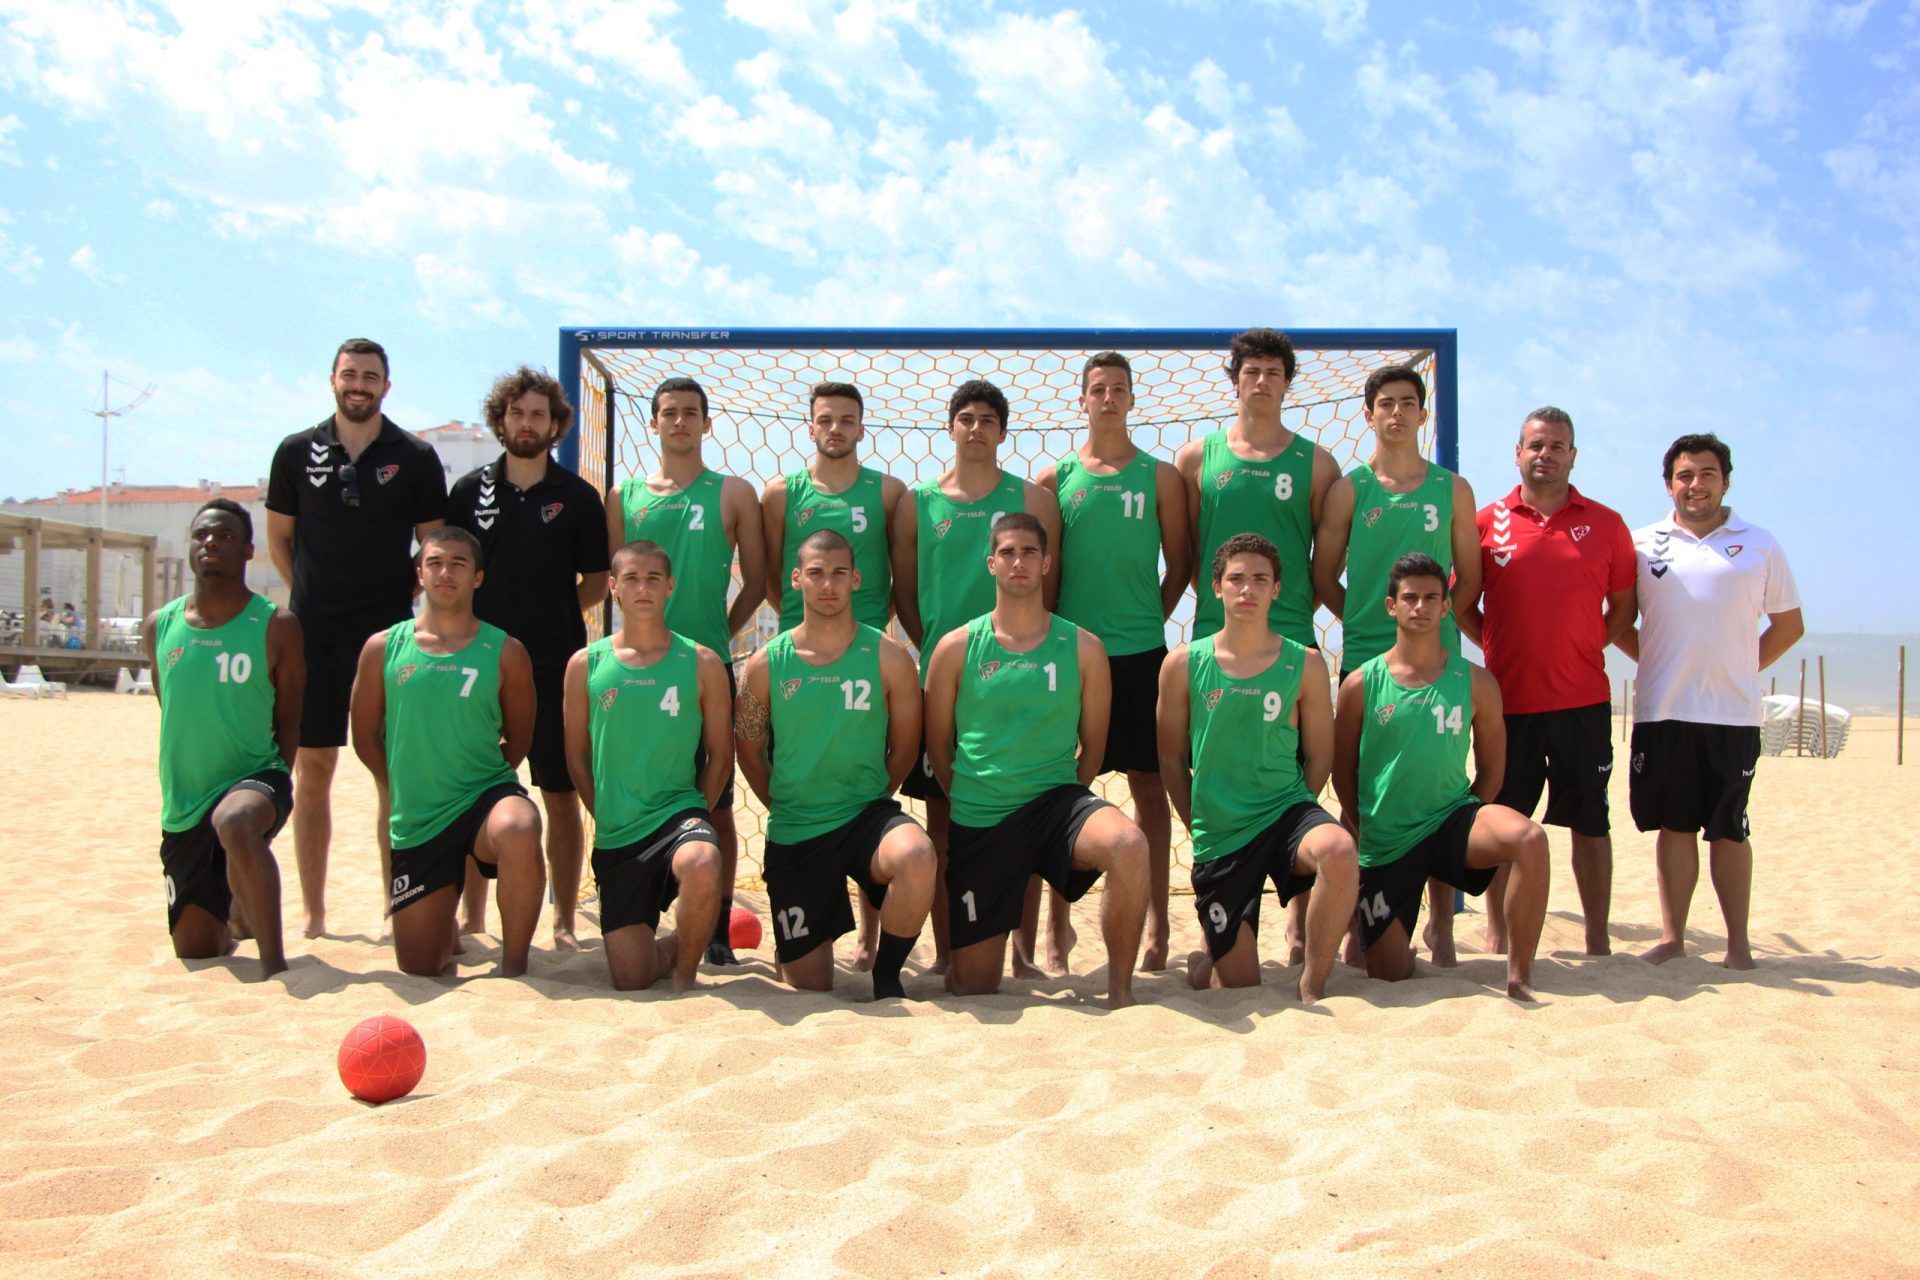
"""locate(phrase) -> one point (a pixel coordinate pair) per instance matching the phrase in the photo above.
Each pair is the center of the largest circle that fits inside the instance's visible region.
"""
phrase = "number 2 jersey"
(443, 730)
(829, 737)
(645, 723)
(216, 708)
(1413, 757)
(691, 528)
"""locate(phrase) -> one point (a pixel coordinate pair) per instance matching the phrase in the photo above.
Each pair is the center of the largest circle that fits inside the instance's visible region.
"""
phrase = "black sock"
(886, 964)
(723, 925)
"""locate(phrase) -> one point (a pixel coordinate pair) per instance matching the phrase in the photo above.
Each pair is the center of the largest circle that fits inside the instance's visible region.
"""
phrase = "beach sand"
(165, 1118)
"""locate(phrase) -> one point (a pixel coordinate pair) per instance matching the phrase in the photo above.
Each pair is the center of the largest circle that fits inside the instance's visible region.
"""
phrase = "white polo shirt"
(1702, 601)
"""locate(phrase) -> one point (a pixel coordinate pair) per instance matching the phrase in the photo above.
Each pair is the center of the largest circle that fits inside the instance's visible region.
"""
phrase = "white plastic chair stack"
(29, 673)
(1785, 716)
(128, 682)
(17, 689)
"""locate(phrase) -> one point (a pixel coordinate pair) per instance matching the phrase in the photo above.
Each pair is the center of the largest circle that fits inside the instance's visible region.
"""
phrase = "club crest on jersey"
(789, 688)
(1213, 698)
(1223, 479)
(1581, 530)
(405, 673)
(1735, 549)
(607, 696)
(1385, 713)
(800, 521)
(1079, 496)
(940, 529)
(987, 669)
(1639, 761)
(552, 509)
(387, 473)
(173, 656)
(1372, 517)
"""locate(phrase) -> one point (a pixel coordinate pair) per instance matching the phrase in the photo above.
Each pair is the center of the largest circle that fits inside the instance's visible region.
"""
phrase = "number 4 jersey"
(646, 725)
(1413, 757)
(216, 708)
(443, 730)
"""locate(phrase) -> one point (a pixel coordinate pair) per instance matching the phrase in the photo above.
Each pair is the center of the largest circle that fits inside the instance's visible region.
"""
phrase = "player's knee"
(1532, 853)
(696, 865)
(421, 961)
(916, 864)
(634, 977)
(314, 767)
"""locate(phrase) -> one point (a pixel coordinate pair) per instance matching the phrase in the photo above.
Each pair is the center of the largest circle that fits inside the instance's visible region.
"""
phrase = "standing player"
(1246, 743)
(702, 519)
(641, 703)
(345, 501)
(1122, 511)
(1257, 476)
(1016, 720)
(841, 702)
(542, 531)
(1557, 569)
(227, 672)
(1706, 579)
(940, 580)
(1400, 770)
(442, 715)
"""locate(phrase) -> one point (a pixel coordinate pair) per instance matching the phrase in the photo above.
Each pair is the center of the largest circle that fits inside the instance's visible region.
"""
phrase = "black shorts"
(920, 784)
(1567, 753)
(988, 867)
(547, 757)
(440, 860)
(194, 863)
(1693, 777)
(1133, 740)
(1227, 890)
(700, 753)
(328, 691)
(807, 880)
(1392, 892)
(636, 880)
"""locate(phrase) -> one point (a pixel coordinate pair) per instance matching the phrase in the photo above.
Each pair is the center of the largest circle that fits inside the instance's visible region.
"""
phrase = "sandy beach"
(161, 1118)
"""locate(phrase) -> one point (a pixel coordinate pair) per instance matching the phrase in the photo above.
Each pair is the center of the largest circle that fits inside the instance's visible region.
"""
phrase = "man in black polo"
(544, 533)
(345, 501)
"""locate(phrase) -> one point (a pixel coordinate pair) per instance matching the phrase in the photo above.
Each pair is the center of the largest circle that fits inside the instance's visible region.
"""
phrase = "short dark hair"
(978, 390)
(1551, 415)
(824, 540)
(361, 347)
(681, 384)
(1024, 521)
(1245, 544)
(828, 390)
(454, 533)
(1703, 443)
(1260, 342)
(1105, 360)
(509, 387)
(1395, 373)
(232, 508)
(1415, 564)
(644, 549)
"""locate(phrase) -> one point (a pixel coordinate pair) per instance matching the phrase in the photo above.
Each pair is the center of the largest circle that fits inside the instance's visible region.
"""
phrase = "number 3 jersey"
(1016, 721)
(443, 730)
(645, 723)
(216, 708)
(829, 737)
(1246, 748)
(1386, 526)
(1413, 757)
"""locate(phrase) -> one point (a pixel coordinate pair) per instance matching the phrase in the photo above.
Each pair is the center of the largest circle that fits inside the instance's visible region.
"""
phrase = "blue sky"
(1663, 217)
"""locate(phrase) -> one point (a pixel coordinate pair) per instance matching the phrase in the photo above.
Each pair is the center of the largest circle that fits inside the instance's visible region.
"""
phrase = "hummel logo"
(1607, 767)
(486, 493)
(316, 480)
(485, 522)
(1746, 773)
(1501, 557)
(1658, 568)
(318, 452)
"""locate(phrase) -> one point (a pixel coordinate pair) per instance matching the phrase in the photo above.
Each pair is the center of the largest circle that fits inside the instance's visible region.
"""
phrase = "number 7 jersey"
(443, 730)
(646, 726)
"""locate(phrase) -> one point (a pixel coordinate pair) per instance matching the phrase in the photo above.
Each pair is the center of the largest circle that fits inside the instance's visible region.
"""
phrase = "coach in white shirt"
(1706, 580)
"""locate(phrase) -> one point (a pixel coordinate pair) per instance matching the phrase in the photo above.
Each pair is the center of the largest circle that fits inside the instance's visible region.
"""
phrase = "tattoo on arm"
(750, 715)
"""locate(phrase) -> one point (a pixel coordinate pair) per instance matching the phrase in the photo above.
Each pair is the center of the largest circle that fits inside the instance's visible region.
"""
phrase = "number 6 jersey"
(443, 730)
(646, 726)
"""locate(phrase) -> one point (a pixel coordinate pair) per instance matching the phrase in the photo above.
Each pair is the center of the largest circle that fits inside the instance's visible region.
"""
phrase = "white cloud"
(87, 263)
(1338, 20)
(456, 293)
(163, 210)
(9, 125)
(21, 261)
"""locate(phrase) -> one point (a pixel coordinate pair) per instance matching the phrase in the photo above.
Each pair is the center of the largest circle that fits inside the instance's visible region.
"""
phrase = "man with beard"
(543, 532)
(345, 501)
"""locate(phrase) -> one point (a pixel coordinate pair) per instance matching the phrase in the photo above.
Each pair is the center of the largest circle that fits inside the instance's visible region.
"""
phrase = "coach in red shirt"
(1557, 587)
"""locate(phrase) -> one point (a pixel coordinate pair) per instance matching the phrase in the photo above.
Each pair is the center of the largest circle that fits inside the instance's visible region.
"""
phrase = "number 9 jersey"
(1246, 748)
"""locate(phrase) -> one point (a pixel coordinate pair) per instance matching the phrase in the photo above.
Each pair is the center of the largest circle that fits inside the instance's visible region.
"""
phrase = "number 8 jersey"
(1246, 748)
(646, 727)
(443, 730)
(1413, 757)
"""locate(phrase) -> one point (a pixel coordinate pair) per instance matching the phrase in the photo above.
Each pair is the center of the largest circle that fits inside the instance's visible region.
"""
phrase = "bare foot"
(1496, 943)
(237, 923)
(1353, 953)
(683, 985)
(316, 925)
(1199, 970)
(1664, 952)
(1120, 999)
(476, 925)
(1154, 958)
(1309, 996)
(1023, 967)
(1060, 940)
(512, 970)
(1438, 948)
(862, 959)
(1599, 947)
(1741, 959)
(563, 939)
(1521, 991)
(1296, 952)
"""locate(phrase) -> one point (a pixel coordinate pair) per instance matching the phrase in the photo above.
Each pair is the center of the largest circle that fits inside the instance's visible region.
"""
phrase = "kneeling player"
(442, 716)
(842, 702)
(640, 704)
(1016, 722)
(1400, 770)
(228, 673)
(1246, 742)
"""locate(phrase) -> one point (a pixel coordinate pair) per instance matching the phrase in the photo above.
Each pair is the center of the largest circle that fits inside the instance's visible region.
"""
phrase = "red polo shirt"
(1545, 582)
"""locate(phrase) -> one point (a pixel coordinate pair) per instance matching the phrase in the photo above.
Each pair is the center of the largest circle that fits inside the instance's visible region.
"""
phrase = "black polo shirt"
(353, 561)
(538, 543)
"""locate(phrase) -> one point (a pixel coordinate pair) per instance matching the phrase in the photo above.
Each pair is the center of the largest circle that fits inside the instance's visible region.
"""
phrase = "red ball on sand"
(743, 929)
(382, 1059)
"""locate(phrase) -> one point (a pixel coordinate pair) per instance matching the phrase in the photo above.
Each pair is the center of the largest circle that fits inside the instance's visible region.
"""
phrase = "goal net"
(757, 383)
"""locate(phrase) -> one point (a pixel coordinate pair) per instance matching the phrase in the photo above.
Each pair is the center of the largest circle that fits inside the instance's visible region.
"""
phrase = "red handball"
(743, 929)
(382, 1059)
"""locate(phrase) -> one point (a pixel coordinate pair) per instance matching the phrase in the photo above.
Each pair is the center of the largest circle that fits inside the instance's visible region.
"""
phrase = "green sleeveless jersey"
(1274, 500)
(955, 586)
(443, 731)
(216, 708)
(1016, 720)
(646, 726)
(829, 737)
(1110, 553)
(1246, 748)
(860, 515)
(1387, 526)
(1413, 758)
(689, 525)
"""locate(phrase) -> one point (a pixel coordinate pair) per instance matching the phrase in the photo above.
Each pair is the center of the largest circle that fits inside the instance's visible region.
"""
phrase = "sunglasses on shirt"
(349, 484)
